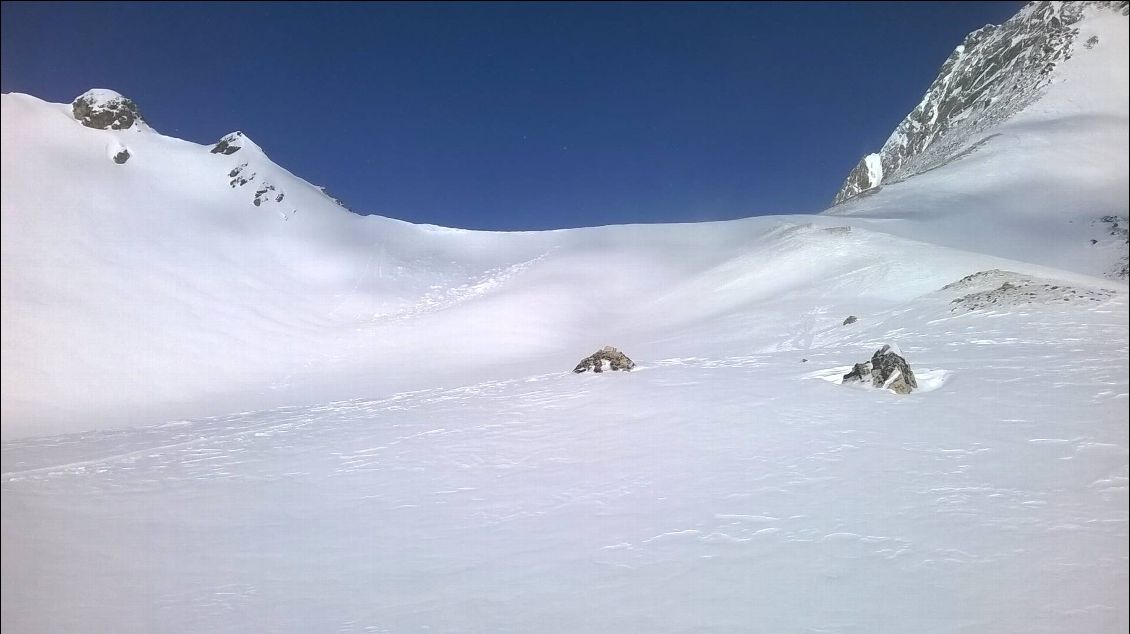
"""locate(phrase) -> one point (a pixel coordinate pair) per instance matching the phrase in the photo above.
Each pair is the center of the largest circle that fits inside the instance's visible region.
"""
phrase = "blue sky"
(516, 116)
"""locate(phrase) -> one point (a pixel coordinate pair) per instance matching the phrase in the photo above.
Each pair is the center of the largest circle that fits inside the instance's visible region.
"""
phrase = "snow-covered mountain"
(284, 416)
(1046, 183)
(991, 76)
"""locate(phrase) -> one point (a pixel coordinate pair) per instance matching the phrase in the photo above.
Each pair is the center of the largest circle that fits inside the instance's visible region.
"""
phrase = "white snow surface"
(222, 417)
(101, 96)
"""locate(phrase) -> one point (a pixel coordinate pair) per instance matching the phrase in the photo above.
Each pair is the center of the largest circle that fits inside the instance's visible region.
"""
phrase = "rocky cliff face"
(995, 73)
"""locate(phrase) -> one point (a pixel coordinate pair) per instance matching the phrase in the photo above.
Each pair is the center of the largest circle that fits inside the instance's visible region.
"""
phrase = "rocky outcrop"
(859, 372)
(122, 156)
(240, 175)
(851, 319)
(267, 192)
(607, 358)
(995, 73)
(1004, 290)
(1116, 238)
(867, 175)
(335, 199)
(106, 110)
(229, 144)
(887, 369)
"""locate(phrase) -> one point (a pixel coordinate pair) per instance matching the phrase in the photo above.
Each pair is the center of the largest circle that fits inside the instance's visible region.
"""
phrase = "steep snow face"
(995, 73)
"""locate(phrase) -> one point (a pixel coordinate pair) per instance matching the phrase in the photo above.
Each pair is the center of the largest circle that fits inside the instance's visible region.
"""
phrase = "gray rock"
(105, 110)
(890, 370)
(239, 176)
(859, 372)
(851, 319)
(121, 157)
(229, 144)
(886, 369)
(615, 359)
(266, 192)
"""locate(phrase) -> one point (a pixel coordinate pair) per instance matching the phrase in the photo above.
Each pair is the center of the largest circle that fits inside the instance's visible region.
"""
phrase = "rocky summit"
(103, 109)
(229, 144)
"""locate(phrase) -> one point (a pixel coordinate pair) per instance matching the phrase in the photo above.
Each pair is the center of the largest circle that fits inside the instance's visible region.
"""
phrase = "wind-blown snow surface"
(413, 452)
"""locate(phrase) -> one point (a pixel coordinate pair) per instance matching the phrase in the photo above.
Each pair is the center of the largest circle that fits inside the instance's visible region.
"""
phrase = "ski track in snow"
(441, 296)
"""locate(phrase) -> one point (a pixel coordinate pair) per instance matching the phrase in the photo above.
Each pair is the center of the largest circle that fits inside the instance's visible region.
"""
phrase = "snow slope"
(287, 417)
(716, 492)
(155, 289)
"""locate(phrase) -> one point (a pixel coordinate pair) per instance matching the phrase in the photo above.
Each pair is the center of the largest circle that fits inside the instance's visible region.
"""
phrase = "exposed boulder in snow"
(891, 371)
(995, 73)
(229, 144)
(859, 372)
(106, 110)
(606, 358)
(851, 319)
(117, 152)
(887, 369)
